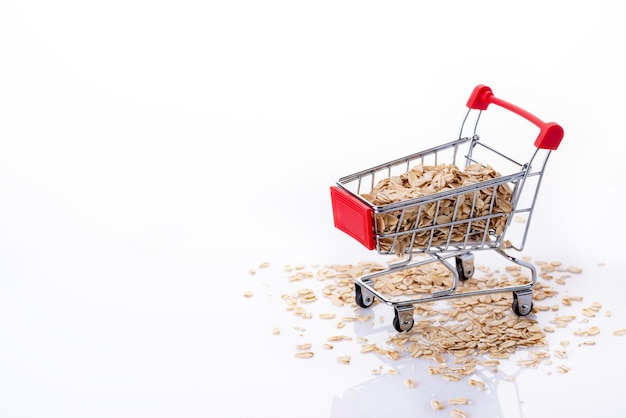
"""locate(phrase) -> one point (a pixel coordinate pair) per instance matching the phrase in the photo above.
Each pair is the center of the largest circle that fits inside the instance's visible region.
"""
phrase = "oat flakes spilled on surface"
(457, 336)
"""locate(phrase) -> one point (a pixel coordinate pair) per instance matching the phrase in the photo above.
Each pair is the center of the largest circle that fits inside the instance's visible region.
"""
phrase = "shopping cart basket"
(359, 218)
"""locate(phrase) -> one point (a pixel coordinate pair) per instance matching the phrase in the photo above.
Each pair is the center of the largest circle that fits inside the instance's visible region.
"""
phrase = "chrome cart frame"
(358, 217)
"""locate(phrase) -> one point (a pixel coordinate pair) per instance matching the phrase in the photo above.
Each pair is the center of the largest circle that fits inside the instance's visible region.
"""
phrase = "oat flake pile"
(455, 337)
(423, 180)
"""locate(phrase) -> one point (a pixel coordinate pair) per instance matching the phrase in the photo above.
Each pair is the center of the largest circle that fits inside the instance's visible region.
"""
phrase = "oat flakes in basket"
(440, 221)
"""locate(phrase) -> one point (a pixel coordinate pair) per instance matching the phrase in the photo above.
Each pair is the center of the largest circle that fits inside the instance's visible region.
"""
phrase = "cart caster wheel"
(465, 266)
(403, 319)
(522, 303)
(363, 297)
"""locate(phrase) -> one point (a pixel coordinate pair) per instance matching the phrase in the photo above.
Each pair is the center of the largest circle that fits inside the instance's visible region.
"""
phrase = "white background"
(152, 152)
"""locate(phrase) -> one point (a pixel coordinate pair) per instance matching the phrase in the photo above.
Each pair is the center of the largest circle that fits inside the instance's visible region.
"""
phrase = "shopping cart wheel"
(363, 297)
(465, 266)
(403, 318)
(522, 302)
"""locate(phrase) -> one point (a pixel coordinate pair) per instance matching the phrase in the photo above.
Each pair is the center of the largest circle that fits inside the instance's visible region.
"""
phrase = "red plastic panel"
(353, 217)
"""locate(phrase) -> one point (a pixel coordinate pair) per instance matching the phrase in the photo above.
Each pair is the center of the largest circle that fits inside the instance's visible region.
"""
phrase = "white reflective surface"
(153, 153)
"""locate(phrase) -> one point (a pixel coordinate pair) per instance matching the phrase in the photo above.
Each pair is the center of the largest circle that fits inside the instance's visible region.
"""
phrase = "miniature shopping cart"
(361, 219)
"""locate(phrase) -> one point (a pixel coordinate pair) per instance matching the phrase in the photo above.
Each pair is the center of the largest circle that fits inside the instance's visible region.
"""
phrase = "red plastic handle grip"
(550, 134)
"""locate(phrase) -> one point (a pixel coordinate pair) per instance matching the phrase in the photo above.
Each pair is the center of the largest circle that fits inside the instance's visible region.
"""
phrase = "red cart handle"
(550, 134)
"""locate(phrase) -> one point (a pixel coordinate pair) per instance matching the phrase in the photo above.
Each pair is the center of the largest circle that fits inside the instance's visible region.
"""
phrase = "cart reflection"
(387, 395)
(495, 396)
